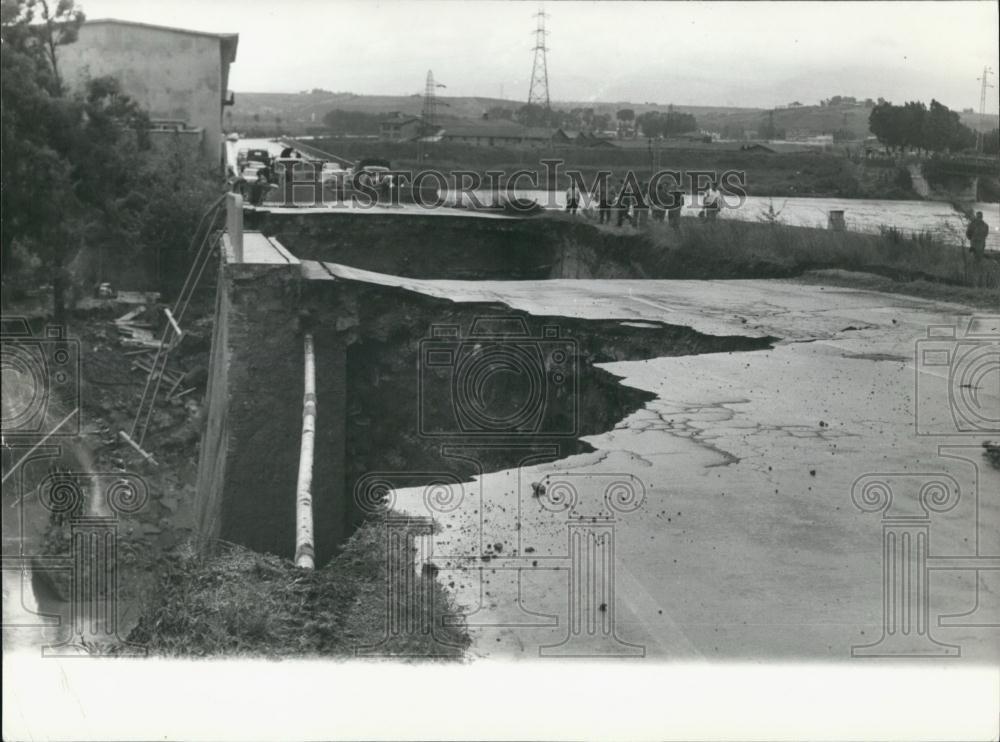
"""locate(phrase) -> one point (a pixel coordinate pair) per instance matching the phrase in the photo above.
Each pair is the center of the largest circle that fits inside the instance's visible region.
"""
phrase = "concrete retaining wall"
(246, 475)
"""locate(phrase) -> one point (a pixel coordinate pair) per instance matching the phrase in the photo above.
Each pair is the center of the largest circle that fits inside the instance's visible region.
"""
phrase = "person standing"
(643, 203)
(572, 198)
(603, 202)
(674, 212)
(977, 231)
(623, 200)
(259, 189)
(711, 203)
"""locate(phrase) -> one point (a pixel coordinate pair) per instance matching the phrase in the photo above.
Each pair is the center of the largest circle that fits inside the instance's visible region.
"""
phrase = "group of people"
(254, 191)
(620, 204)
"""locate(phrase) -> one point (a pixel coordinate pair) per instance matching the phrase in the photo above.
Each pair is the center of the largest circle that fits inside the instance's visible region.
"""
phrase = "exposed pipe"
(304, 551)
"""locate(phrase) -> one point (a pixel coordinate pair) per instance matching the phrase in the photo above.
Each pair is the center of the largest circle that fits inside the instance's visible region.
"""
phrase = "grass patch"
(237, 602)
(731, 248)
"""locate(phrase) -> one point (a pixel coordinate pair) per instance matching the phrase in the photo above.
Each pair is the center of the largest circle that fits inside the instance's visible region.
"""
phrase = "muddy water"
(861, 215)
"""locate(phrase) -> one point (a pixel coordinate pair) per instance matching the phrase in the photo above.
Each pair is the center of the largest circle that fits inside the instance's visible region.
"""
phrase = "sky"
(756, 54)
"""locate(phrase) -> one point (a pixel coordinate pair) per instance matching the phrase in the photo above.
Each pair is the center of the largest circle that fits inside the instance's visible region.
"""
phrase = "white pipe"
(304, 552)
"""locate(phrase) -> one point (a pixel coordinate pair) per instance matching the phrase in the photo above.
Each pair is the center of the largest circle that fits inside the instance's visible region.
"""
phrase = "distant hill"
(300, 111)
(309, 108)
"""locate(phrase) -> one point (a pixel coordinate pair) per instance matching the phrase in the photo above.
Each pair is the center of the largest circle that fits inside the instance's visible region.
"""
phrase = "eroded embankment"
(440, 245)
(393, 392)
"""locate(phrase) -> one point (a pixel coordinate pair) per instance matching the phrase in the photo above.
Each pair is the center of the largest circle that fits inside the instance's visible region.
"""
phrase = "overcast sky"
(696, 53)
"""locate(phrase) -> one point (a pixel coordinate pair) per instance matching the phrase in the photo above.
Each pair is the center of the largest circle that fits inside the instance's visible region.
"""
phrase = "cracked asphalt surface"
(741, 540)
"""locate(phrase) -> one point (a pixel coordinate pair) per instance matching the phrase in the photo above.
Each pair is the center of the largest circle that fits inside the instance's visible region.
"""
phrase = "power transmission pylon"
(985, 80)
(538, 93)
(430, 105)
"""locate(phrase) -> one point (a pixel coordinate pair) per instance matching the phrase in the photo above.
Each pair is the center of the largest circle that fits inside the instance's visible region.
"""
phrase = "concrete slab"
(744, 537)
(259, 249)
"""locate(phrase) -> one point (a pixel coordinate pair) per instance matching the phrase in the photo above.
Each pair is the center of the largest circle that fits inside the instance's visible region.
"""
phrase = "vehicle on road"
(259, 155)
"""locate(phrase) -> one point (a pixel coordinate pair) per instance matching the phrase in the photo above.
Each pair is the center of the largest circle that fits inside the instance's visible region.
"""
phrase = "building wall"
(171, 74)
(498, 141)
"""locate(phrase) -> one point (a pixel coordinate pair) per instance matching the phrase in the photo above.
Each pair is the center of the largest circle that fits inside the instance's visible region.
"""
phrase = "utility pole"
(538, 93)
(985, 85)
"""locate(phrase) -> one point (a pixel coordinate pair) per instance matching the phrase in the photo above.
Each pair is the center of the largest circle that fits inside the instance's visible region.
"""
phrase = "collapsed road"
(724, 486)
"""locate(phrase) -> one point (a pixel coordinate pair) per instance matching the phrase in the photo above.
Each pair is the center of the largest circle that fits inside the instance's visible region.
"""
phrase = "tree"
(656, 124)
(886, 122)
(36, 129)
(532, 114)
(77, 169)
(60, 25)
(500, 113)
(991, 142)
(914, 125)
(626, 118)
(602, 121)
(911, 123)
(940, 127)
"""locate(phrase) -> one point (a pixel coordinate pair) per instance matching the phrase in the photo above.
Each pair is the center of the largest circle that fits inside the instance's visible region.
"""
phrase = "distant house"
(181, 77)
(400, 127)
(573, 138)
(497, 134)
(537, 136)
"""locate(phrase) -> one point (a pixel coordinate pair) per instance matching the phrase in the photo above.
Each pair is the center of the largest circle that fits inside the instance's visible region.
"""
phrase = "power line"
(538, 93)
(985, 80)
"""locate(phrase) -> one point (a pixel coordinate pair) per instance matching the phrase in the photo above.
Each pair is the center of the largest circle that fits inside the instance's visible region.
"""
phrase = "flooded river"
(861, 215)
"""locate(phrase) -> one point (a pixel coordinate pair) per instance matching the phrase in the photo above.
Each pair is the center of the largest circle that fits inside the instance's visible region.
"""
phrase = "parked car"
(259, 155)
